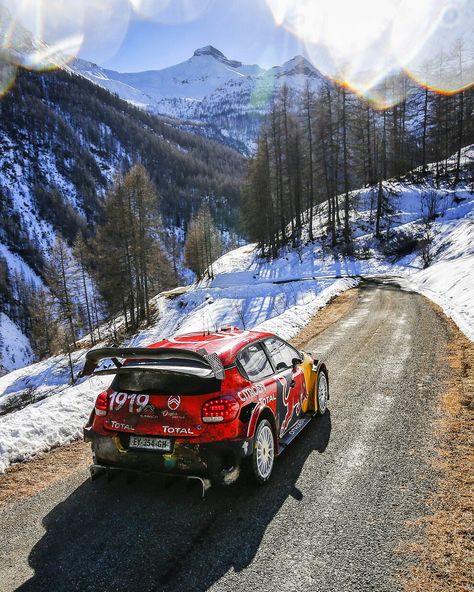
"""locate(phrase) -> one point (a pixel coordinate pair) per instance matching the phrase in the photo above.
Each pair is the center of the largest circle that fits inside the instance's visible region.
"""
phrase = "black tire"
(263, 457)
(322, 393)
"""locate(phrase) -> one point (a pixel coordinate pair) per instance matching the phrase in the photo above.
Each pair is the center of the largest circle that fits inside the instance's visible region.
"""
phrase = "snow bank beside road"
(449, 280)
(49, 423)
(450, 285)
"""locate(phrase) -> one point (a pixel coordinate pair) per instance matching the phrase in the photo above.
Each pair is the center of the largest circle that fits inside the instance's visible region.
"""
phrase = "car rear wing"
(172, 360)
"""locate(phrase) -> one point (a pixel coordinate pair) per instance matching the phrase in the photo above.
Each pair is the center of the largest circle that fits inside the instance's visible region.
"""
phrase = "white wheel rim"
(264, 451)
(322, 393)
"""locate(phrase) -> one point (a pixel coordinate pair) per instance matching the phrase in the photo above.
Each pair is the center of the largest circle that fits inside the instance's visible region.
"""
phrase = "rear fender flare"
(262, 412)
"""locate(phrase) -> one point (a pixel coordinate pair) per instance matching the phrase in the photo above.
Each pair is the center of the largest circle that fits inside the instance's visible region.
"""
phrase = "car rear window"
(255, 363)
(163, 382)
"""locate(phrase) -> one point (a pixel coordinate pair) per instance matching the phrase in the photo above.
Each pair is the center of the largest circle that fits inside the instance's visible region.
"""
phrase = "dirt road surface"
(333, 518)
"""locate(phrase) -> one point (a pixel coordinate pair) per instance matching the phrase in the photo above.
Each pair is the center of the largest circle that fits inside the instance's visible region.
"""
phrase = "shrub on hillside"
(401, 244)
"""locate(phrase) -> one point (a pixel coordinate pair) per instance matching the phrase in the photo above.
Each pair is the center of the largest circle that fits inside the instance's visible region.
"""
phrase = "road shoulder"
(27, 479)
(446, 561)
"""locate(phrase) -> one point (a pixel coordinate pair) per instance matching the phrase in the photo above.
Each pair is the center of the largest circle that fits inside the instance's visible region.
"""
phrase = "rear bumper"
(219, 461)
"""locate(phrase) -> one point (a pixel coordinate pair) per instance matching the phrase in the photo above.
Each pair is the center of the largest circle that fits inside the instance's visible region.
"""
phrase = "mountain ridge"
(210, 88)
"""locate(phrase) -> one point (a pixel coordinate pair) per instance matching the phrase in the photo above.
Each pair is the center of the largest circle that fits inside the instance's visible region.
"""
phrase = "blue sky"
(242, 30)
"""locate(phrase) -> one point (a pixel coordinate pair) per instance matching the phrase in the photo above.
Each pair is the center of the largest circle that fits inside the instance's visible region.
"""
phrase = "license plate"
(162, 444)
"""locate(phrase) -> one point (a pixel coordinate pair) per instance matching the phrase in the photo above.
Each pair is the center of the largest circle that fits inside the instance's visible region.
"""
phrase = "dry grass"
(446, 562)
(27, 479)
(339, 307)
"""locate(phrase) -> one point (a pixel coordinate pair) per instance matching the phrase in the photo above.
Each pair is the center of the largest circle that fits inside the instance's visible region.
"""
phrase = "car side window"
(255, 362)
(281, 353)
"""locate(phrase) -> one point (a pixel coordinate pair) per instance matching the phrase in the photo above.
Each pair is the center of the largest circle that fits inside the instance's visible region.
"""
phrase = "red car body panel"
(181, 417)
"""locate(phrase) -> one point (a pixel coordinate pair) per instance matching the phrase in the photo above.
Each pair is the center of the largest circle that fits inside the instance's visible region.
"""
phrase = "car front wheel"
(322, 393)
(263, 456)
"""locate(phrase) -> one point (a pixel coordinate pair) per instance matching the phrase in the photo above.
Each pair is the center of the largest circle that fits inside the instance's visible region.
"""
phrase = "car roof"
(226, 343)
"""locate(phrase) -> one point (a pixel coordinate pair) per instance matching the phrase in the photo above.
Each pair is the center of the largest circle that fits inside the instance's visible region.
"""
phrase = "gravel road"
(333, 517)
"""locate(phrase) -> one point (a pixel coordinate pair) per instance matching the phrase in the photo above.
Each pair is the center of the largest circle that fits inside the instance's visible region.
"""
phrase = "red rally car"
(203, 405)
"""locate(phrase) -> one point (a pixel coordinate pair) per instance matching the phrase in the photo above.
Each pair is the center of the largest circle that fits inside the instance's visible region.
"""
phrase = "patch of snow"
(46, 424)
(449, 280)
(15, 348)
(295, 318)
(16, 266)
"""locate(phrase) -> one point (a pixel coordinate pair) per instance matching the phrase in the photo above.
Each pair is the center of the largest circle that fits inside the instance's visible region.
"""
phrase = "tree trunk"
(347, 231)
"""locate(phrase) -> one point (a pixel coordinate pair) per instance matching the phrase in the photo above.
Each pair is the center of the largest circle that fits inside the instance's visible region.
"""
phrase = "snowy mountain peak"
(209, 50)
(298, 65)
(210, 88)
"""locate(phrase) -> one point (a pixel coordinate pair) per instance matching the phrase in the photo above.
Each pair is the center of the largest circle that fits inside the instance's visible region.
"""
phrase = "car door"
(290, 383)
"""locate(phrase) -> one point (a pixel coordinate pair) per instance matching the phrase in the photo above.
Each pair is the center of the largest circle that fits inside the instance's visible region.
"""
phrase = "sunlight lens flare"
(436, 46)
(263, 91)
(106, 23)
(7, 76)
(391, 91)
(149, 9)
(48, 34)
(36, 23)
(345, 40)
(362, 44)
(171, 12)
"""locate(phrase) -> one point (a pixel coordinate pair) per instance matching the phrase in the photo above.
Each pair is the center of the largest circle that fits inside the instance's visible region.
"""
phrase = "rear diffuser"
(97, 470)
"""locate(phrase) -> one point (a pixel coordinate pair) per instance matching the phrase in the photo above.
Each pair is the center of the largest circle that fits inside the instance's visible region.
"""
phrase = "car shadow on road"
(144, 536)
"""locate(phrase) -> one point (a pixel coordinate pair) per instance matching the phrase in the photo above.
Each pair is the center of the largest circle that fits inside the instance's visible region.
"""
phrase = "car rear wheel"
(263, 456)
(322, 393)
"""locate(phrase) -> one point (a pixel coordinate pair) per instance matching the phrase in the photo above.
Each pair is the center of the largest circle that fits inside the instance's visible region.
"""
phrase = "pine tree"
(63, 287)
(132, 266)
(203, 243)
(82, 267)
(44, 329)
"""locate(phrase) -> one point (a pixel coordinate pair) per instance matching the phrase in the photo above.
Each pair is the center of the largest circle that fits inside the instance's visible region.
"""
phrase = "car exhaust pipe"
(205, 483)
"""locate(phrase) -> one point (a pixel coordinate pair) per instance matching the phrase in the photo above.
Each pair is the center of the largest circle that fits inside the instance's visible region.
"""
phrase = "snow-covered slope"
(62, 140)
(449, 280)
(101, 77)
(279, 295)
(210, 88)
(15, 348)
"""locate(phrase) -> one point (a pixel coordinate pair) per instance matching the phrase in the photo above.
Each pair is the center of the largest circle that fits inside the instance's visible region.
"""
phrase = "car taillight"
(220, 410)
(101, 403)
